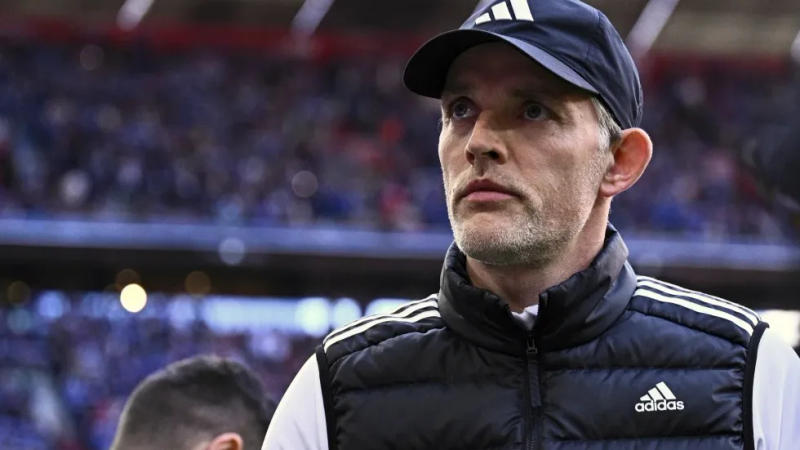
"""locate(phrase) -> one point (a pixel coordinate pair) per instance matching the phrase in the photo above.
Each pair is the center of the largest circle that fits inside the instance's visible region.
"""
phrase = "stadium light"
(313, 315)
(649, 25)
(310, 15)
(232, 251)
(133, 298)
(132, 12)
(344, 311)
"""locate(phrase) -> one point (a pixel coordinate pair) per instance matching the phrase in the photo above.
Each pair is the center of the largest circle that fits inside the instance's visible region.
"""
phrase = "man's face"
(520, 155)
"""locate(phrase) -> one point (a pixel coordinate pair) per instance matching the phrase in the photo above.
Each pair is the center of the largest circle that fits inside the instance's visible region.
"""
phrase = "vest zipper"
(532, 395)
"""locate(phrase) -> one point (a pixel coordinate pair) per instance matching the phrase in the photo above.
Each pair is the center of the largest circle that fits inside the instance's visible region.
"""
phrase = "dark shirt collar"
(570, 313)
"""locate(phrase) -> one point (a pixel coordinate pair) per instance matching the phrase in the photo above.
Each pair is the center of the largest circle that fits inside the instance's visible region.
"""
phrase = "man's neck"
(520, 285)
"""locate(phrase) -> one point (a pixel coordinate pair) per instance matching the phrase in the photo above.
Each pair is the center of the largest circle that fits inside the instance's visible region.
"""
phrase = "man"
(200, 403)
(542, 336)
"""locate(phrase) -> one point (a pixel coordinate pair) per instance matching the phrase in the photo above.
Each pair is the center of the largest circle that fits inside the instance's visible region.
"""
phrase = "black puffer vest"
(615, 361)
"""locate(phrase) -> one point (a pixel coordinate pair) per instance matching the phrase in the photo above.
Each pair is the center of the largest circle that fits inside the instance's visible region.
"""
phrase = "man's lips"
(486, 191)
(487, 196)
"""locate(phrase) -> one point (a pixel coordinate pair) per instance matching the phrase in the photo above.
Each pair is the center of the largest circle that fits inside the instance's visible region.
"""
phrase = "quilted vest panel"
(671, 370)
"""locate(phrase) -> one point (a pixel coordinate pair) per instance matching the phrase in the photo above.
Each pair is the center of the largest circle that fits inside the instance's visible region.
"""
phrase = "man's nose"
(485, 145)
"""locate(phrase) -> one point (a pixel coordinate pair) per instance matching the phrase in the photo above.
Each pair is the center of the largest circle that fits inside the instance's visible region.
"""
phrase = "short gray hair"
(610, 131)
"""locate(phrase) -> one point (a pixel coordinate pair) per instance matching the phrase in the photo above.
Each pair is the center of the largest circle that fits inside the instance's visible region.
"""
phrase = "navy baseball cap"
(570, 38)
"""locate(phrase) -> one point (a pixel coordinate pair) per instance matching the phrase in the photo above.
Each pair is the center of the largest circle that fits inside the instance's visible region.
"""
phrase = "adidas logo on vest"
(659, 398)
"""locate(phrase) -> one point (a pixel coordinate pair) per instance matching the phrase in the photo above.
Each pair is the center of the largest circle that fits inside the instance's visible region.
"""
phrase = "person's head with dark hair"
(204, 402)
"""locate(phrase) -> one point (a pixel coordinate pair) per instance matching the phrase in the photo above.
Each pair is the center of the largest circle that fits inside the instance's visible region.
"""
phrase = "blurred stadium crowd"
(107, 132)
(69, 361)
(111, 132)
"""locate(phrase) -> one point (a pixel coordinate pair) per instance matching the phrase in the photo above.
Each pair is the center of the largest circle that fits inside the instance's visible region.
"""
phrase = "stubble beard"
(530, 236)
(525, 239)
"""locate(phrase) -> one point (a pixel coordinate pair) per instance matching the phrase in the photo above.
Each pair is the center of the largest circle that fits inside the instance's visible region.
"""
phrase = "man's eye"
(535, 111)
(461, 109)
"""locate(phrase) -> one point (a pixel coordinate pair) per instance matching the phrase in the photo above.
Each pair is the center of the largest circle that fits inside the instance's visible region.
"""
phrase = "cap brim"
(426, 71)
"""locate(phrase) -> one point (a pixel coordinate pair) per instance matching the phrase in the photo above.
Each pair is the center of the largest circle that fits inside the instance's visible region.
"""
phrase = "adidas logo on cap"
(659, 398)
(500, 11)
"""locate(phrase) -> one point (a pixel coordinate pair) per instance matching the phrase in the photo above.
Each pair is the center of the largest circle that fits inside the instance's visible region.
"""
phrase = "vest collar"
(570, 313)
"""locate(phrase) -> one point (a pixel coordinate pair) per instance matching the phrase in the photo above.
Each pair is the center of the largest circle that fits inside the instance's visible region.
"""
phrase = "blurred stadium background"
(239, 176)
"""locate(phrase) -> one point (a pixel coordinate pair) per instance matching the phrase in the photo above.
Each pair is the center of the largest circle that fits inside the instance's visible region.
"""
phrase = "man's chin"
(487, 249)
(482, 233)
(493, 238)
(494, 222)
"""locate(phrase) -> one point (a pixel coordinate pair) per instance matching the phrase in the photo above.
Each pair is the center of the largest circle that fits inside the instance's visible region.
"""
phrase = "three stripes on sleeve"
(658, 290)
(410, 312)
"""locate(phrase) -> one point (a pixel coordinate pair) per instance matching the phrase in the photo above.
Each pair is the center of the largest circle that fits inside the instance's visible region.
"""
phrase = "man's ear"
(226, 441)
(632, 153)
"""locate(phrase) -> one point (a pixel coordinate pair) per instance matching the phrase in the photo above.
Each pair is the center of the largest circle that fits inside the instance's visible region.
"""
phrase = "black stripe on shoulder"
(327, 397)
(749, 375)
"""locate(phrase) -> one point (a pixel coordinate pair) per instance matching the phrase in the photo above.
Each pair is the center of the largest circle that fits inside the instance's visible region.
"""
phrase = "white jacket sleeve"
(776, 395)
(299, 420)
